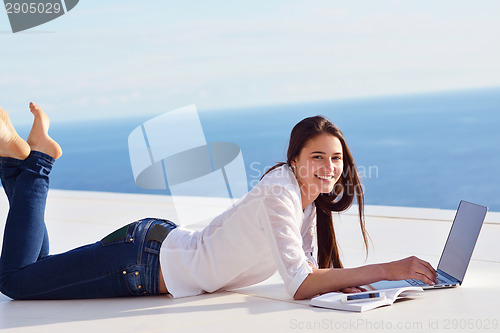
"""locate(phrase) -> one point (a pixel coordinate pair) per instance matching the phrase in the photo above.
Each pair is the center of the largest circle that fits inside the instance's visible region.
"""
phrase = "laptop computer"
(457, 251)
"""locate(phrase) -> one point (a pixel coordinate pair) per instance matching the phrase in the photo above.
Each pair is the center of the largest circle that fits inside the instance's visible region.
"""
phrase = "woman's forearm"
(332, 279)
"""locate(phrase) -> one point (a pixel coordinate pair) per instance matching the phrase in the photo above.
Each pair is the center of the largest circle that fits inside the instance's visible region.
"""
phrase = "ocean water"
(425, 150)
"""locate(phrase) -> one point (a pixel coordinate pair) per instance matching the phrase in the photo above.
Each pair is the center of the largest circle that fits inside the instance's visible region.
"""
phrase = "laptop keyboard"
(415, 282)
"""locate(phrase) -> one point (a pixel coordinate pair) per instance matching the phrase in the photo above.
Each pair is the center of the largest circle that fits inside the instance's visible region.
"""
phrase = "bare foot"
(11, 144)
(39, 139)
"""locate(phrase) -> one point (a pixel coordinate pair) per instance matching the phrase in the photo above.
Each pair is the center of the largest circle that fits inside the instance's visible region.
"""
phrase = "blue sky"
(108, 59)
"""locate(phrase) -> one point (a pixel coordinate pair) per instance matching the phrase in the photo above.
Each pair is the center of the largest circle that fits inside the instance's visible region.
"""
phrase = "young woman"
(271, 228)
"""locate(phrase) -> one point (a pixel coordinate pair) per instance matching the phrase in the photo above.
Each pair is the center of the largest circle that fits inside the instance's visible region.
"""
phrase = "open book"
(363, 301)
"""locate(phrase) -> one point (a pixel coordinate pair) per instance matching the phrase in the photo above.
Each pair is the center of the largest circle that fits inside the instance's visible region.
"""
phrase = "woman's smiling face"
(318, 166)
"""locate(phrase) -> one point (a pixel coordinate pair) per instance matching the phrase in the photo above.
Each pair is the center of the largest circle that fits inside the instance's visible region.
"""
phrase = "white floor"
(396, 232)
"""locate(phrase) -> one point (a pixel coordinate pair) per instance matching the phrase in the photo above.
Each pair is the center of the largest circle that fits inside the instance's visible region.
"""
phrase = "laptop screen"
(462, 239)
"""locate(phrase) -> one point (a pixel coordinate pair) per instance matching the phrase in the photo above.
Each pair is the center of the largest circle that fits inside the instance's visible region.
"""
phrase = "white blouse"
(264, 231)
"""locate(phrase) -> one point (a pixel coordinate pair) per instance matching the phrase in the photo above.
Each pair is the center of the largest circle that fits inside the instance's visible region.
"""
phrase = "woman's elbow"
(313, 284)
(299, 295)
(304, 291)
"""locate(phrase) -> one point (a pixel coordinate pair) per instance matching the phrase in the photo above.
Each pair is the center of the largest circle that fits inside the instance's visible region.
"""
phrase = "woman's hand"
(411, 268)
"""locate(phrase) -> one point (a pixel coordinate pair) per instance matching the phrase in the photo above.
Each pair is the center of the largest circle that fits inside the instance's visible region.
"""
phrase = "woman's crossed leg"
(120, 267)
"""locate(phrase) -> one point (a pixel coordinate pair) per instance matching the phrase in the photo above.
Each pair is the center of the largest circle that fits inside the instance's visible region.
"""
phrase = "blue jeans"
(124, 263)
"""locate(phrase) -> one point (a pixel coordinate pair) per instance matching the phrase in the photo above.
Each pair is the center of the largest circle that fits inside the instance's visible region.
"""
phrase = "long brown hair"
(342, 196)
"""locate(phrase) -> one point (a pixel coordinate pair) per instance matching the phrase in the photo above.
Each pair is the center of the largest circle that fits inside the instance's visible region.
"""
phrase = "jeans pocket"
(122, 235)
(134, 280)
